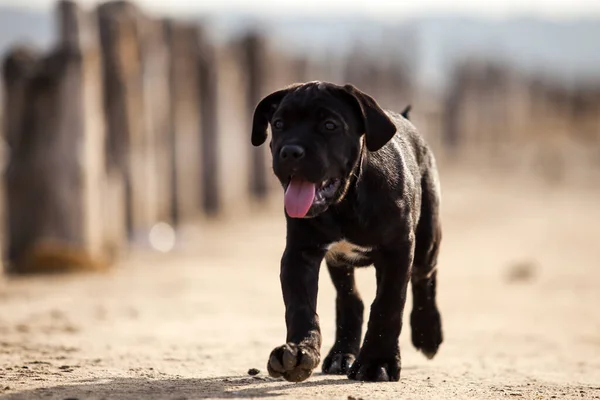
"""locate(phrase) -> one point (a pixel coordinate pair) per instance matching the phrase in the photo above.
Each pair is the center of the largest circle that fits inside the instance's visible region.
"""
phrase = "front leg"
(349, 310)
(299, 276)
(379, 357)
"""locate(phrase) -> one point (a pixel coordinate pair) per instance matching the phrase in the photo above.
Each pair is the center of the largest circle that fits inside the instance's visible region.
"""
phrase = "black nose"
(291, 153)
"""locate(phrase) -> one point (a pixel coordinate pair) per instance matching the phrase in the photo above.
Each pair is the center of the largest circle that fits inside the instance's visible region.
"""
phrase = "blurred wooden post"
(299, 70)
(355, 71)
(125, 108)
(254, 58)
(18, 66)
(209, 126)
(156, 98)
(104, 193)
(55, 173)
(184, 125)
(452, 106)
(233, 132)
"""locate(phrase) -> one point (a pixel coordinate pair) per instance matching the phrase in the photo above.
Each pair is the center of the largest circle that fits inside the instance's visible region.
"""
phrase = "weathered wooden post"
(254, 55)
(209, 125)
(129, 144)
(19, 64)
(184, 124)
(299, 69)
(584, 115)
(55, 173)
(156, 103)
(233, 123)
(79, 29)
(453, 134)
(356, 71)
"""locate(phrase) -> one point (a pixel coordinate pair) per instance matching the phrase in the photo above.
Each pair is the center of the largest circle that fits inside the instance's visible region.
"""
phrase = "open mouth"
(301, 195)
(326, 189)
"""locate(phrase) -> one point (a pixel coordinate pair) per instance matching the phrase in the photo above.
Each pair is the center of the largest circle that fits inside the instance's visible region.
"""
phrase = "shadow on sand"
(234, 387)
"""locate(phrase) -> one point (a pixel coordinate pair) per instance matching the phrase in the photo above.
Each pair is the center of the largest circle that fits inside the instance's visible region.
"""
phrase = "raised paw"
(338, 363)
(292, 362)
(375, 370)
(426, 326)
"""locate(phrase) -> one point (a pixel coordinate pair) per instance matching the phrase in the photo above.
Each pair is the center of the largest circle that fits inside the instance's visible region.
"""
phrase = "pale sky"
(555, 9)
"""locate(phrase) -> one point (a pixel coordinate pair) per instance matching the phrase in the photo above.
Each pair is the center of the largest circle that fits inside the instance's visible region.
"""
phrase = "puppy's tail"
(406, 111)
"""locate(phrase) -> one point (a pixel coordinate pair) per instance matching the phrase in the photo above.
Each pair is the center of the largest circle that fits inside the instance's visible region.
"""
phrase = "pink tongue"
(298, 198)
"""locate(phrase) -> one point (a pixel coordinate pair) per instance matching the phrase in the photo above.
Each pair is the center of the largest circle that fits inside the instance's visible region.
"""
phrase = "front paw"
(338, 363)
(426, 326)
(294, 362)
(370, 369)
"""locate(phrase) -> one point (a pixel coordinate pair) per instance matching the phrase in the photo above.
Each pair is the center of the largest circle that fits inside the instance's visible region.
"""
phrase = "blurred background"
(126, 143)
(141, 110)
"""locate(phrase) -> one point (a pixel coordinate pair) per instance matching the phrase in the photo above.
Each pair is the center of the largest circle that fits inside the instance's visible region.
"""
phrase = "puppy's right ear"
(264, 112)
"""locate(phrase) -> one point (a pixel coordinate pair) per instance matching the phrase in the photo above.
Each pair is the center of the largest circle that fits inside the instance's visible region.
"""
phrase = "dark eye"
(278, 124)
(330, 125)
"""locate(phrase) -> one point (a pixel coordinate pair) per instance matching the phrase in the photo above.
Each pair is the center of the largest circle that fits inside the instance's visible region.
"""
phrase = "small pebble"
(253, 371)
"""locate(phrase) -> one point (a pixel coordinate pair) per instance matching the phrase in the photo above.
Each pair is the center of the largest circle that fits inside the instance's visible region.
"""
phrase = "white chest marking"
(348, 250)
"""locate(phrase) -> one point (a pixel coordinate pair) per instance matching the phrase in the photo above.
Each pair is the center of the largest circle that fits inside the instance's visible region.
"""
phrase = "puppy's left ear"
(264, 112)
(378, 127)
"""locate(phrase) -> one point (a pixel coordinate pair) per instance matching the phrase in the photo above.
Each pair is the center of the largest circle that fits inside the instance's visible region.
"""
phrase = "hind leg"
(349, 310)
(425, 318)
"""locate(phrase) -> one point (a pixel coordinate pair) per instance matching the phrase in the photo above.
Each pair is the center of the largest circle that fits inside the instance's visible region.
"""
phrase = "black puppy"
(361, 188)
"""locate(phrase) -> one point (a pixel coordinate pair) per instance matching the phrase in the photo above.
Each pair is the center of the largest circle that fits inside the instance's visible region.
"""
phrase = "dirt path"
(519, 294)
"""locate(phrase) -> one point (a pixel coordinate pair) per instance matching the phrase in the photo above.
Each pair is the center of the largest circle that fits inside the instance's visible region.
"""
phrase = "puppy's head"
(318, 130)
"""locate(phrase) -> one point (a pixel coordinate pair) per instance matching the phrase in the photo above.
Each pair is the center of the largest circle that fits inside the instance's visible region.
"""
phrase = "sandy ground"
(519, 292)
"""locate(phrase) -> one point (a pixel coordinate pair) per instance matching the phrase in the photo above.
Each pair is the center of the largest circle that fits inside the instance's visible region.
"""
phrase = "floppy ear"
(264, 112)
(378, 127)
